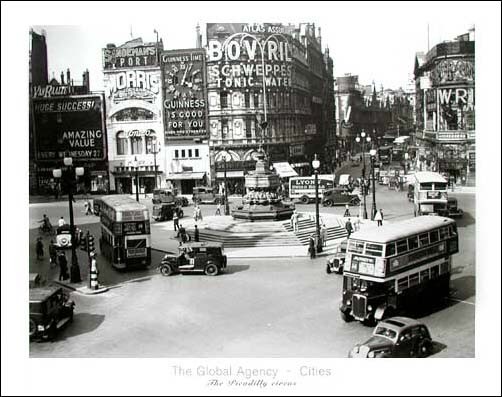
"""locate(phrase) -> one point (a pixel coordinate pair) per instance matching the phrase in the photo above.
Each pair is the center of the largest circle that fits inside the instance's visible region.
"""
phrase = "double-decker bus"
(384, 154)
(389, 268)
(430, 196)
(125, 231)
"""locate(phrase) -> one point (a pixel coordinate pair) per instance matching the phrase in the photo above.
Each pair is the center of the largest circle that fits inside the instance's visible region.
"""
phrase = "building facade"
(134, 122)
(445, 107)
(268, 85)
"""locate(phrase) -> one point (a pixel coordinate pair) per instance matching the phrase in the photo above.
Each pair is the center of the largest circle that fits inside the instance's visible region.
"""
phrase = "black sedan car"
(339, 196)
(396, 337)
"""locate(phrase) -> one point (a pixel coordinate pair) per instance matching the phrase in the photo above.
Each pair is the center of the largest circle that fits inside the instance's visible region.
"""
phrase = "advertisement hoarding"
(185, 103)
(130, 57)
(73, 123)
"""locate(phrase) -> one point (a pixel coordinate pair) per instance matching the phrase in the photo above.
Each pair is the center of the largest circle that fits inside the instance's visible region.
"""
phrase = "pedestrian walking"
(379, 217)
(218, 209)
(323, 234)
(294, 221)
(63, 267)
(199, 213)
(357, 223)
(196, 234)
(349, 228)
(61, 222)
(89, 210)
(52, 254)
(312, 247)
(86, 208)
(176, 219)
(40, 248)
(347, 211)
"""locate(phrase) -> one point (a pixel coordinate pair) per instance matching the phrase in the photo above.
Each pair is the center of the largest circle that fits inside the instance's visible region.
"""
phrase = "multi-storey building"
(134, 122)
(267, 84)
(445, 107)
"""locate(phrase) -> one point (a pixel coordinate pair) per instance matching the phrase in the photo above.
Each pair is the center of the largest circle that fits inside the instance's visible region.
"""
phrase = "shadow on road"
(83, 323)
(236, 269)
(437, 347)
(463, 288)
(466, 220)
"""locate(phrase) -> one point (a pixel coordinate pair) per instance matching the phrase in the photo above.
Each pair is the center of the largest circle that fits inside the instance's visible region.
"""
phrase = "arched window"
(136, 145)
(150, 141)
(121, 143)
(133, 114)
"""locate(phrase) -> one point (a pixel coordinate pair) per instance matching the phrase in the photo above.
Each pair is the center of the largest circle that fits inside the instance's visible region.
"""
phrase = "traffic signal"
(90, 241)
(83, 244)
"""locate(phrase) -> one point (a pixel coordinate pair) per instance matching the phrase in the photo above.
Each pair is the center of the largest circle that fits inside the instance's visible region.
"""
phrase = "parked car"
(50, 309)
(396, 337)
(336, 262)
(195, 257)
(452, 208)
(339, 196)
(206, 195)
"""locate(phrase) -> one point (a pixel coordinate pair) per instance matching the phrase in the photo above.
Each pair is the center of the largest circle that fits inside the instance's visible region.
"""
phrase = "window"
(246, 100)
(391, 249)
(426, 186)
(356, 247)
(223, 100)
(424, 239)
(402, 283)
(249, 133)
(196, 152)
(444, 268)
(443, 233)
(150, 141)
(183, 153)
(413, 280)
(190, 153)
(413, 243)
(374, 249)
(453, 230)
(439, 186)
(256, 100)
(424, 275)
(121, 143)
(434, 236)
(136, 145)
(224, 129)
(176, 154)
(402, 246)
(435, 271)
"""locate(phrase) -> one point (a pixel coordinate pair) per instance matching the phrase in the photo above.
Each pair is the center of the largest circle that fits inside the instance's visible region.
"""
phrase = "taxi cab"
(206, 195)
(195, 257)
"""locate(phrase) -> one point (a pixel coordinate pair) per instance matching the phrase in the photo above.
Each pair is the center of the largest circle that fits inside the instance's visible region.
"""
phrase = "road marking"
(461, 301)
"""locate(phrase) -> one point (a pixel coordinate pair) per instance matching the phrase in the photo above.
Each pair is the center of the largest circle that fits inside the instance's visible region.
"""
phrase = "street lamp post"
(373, 205)
(315, 164)
(70, 178)
(135, 165)
(363, 141)
(155, 149)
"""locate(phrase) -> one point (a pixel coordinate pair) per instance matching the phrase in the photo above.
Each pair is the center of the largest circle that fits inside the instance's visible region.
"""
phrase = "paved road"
(279, 308)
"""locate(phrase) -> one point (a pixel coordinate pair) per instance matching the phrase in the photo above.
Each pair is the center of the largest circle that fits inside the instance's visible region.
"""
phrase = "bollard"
(94, 274)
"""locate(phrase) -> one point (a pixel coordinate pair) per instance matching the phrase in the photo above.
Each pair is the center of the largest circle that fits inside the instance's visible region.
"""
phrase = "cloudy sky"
(375, 41)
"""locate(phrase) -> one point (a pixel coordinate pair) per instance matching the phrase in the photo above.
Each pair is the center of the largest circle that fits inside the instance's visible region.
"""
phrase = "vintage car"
(195, 257)
(63, 237)
(50, 310)
(161, 196)
(339, 196)
(395, 337)
(336, 262)
(206, 195)
(452, 208)
(165, 211)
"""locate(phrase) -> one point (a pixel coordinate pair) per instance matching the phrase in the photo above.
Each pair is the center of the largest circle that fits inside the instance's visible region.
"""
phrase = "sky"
(378, 41)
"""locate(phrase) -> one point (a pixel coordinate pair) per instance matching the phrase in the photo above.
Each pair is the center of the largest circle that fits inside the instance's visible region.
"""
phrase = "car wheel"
(305, 200)
(355, 201)
(328, 269)
(370, 322)
(328, 203)
(425, 348)
(166, 270)
(33, 328)
(346, 317)
(211, 269)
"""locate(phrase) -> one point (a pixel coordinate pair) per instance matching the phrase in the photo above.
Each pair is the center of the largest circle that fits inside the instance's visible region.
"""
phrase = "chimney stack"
(68, 79)
(62, 78)
(198, 40)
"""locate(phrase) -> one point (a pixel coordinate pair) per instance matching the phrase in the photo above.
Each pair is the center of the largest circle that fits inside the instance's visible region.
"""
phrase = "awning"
(185, 175)
(230, 174)
(284, 170)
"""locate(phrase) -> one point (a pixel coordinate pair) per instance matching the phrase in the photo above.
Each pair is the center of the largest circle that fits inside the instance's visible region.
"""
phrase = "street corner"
(81, 288)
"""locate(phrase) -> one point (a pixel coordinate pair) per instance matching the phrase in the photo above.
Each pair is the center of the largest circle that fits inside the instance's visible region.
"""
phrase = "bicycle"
(44, 229)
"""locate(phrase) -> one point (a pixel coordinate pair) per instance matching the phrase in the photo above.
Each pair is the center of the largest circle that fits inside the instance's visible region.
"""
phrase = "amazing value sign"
(185, 104)
(248, 55)
(73, 123)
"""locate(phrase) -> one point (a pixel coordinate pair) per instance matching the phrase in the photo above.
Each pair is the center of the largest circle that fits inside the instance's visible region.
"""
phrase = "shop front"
(124, 174)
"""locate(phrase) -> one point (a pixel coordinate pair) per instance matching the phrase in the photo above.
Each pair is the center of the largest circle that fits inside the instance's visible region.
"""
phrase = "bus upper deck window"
(434, 236)
(390, 249)
(402, 246)
(424, 239)
(413, 242)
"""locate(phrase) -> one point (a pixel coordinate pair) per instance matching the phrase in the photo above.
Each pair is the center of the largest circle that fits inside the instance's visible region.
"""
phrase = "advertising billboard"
(130, 57)
(74, 123)
(244, 55)
(185, 104)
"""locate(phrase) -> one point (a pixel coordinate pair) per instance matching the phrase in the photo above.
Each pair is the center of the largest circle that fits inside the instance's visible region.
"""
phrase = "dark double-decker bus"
(390, 268)
(125, 231)
(384, 154)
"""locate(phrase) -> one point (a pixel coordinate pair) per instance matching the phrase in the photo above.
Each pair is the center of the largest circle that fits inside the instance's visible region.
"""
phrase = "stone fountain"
(261, 201)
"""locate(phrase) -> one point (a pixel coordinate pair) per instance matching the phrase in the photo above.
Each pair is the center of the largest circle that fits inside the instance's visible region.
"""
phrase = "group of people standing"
(55, 258)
